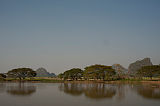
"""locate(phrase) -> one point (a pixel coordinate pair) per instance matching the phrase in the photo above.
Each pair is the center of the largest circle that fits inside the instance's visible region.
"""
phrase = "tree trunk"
(20, 78)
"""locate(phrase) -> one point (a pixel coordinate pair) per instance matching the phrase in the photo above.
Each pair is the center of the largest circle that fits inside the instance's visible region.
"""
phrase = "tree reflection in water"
(148, 91)
(120, 91)
(2, 87)
(99, 91)
(71, 88)
(21, 89)
(93, 91)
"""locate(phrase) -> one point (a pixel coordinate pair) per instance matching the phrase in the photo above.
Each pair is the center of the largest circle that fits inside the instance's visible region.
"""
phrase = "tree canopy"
(99, 72)
(21, 73)
(2, 75)
(149, 71)
(72, 74)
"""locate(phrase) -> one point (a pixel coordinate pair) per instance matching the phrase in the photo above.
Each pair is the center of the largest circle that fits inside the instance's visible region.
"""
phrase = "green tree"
(109, 74)
(149, 71)
(99, 72)
(61, 76)
(2, 75)
(21, 73)
(73, 74)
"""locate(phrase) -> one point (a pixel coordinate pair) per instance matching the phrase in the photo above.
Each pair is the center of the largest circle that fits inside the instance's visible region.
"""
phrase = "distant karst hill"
(42, 72)
(119, 68)
(134, 67)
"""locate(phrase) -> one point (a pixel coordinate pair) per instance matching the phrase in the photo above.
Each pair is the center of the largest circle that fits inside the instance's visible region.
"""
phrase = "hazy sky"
(63, 34)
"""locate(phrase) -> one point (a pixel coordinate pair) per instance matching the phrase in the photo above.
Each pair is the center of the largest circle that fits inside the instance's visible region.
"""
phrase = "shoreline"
(84, 81)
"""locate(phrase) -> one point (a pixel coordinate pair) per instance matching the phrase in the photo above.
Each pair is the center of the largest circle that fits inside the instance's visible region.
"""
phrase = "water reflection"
(2, 87)
(73, 89)
(121, 90)
(93, 91)
(21, 89)
(94, 94)
(148, 91)
(99, 91)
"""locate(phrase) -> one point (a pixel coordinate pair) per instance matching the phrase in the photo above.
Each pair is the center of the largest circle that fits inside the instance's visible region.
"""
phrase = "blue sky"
(63, 34)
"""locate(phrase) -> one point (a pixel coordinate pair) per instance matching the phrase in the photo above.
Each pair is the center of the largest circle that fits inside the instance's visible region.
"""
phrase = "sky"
(63, 34)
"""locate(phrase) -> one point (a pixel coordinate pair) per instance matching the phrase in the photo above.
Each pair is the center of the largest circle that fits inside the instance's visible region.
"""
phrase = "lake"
(78, 94)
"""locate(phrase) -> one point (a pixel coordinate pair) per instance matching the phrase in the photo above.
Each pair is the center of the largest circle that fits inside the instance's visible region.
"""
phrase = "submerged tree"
(21, 73)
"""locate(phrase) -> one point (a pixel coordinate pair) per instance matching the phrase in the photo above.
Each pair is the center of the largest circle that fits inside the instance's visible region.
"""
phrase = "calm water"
(60, 94)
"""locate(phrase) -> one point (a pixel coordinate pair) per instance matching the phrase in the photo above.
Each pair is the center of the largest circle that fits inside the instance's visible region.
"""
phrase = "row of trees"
(101, 72)
(149, 71)
(96, 72)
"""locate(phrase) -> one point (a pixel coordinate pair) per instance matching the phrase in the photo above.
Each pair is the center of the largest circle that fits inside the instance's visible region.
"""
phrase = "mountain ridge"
(42, 72)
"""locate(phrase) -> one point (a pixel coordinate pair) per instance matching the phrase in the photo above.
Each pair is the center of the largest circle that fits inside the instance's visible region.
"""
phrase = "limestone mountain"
(42, 72)
(119, 68)
(134, 67)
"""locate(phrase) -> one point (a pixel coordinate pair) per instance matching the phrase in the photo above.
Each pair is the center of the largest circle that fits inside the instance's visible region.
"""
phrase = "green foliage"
(99, 72)
(73, 74)
(2, 76)
(21, 73)
(149, 71)
(61, 75)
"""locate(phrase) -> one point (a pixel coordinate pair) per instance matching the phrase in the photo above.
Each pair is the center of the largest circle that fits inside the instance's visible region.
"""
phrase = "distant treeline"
(93, 72)
(102, 72)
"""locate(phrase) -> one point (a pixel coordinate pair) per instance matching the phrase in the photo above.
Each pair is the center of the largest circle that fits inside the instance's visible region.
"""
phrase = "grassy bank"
(55, 80)
(37, 80)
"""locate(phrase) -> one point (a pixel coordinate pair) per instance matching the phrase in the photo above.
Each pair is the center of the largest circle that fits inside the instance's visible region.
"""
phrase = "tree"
(73, 74)
(109, 74)
(21, 73)
(99, 72)
(61, 76)
(149, 71)
(2, 75)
